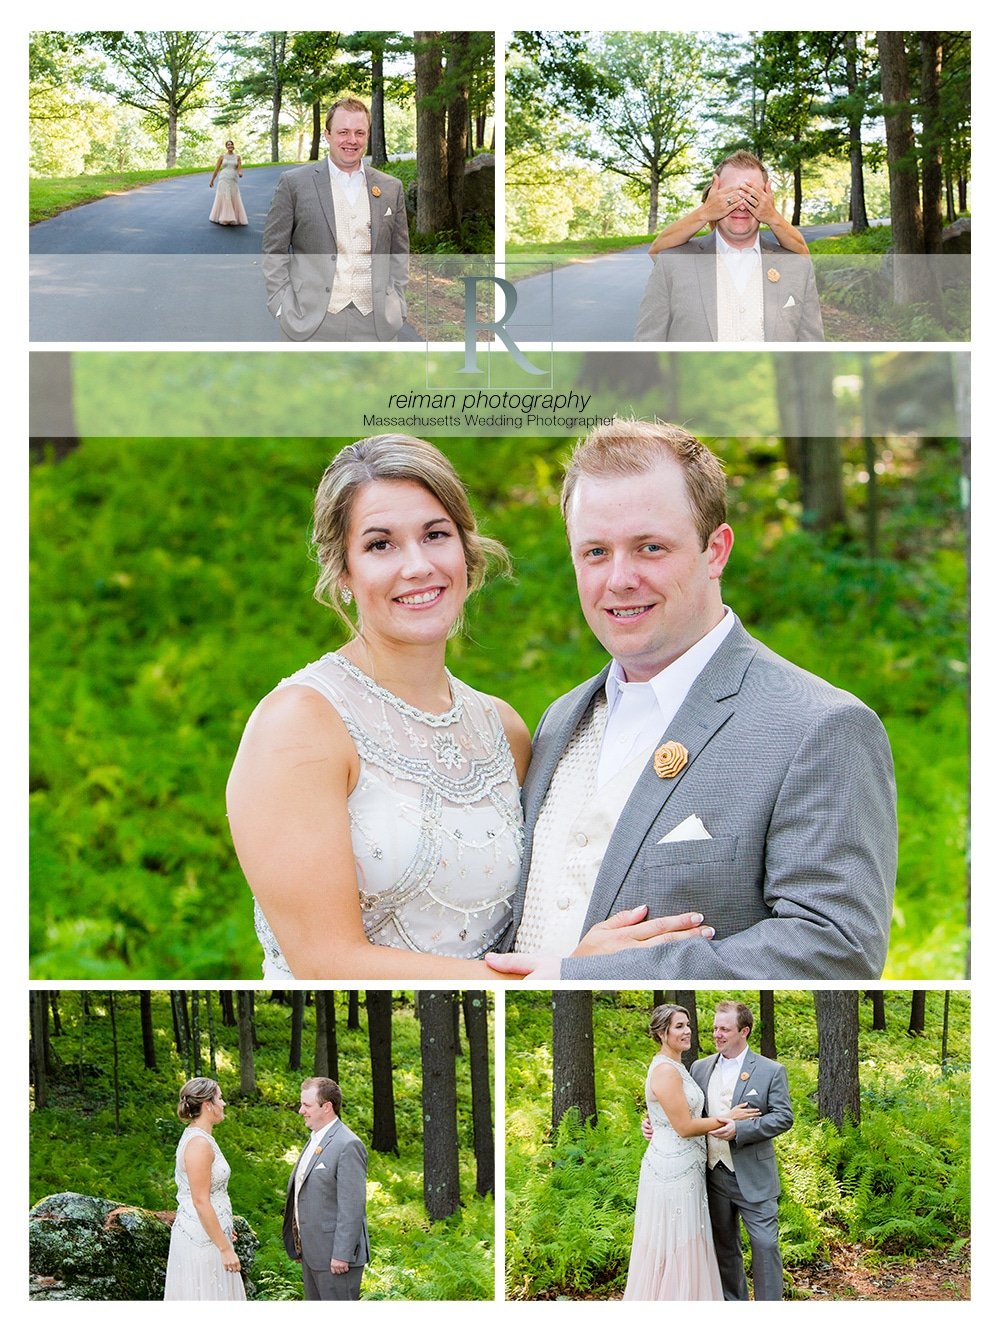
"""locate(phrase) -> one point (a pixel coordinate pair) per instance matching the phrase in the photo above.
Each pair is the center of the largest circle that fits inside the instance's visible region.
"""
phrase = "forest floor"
(852, 1275)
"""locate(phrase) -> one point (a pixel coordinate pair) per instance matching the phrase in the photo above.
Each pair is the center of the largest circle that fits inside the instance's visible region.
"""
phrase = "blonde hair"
(628, 447)
(392, 458)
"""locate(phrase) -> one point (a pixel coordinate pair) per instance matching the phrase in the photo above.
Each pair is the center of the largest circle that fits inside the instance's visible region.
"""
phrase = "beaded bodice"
(669, 1155)
(435, 817)
(187, 1217)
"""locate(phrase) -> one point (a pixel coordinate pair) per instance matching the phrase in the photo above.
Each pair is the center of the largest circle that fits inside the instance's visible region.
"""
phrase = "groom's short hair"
(743, 160)
(626, 447)
(325, 1090)
(744, 1014)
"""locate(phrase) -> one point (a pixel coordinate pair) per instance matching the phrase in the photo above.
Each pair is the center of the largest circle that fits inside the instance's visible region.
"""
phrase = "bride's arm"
(666, 1084)
(287, 806)
(198, 1157)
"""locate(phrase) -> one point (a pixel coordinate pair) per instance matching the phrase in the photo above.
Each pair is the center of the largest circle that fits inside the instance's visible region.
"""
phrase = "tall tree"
(766, 1043)
(258, 78)
(477, 1031)
(944, 1030)
(689, 1001)
(908, 279)
(877, 998)
(378, 1005)
(918, 1013)
(806, 409)
(657, 92)
(245, 1028)
(353, 1016)
(573, 1083)
(367, 74)
(146, 1021)
(115, 1076)
(166, 75)
(327, 1060)
(839, 1093)
(433, 204)
(195, 1033)
(440, 1103)
(41, 1058)
(295, 1037)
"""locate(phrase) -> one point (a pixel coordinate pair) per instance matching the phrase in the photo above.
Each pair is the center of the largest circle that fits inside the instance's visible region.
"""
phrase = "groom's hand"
(338, 1266)
(631, 928)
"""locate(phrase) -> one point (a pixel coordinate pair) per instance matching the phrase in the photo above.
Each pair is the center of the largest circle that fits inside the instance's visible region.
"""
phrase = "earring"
(346, 596)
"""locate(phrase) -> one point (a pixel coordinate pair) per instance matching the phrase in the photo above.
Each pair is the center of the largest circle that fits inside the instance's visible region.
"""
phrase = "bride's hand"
(743, 1112)
(631, 928)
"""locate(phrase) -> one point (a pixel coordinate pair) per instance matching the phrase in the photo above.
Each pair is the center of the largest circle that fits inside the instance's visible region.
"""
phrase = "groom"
(742, 1171)
(742, 1167)
(324, 1226)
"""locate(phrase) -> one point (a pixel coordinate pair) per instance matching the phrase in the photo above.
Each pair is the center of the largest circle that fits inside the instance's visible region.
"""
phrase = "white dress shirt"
(741, 264)
(639, 712)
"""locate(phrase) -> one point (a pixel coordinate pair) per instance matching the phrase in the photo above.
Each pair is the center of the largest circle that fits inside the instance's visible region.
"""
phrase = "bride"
(202, 1264)
(374, 802)
(673, 1258)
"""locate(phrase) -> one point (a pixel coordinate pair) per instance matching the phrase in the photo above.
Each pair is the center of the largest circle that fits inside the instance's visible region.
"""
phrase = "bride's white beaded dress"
(435, 817)
(673, 1256)
(195, 1272)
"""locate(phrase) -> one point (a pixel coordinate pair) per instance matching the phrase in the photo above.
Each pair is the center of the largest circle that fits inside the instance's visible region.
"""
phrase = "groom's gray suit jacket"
(766, 1087)
(793, 780)
(679, 304)
(300, 249)
(332, 1222)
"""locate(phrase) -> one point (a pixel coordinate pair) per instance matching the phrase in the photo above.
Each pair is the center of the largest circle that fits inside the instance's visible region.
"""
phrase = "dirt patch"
(854, 1274)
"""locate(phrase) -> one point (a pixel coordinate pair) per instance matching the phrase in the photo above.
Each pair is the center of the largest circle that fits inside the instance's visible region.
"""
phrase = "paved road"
(595, 300)
(148, 266)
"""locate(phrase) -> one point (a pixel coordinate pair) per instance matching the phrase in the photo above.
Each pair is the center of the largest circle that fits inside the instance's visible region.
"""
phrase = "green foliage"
(898, 1183)
(74, 1146)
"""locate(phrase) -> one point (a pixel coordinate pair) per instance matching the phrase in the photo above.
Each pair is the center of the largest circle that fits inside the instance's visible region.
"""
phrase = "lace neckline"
(453, 715)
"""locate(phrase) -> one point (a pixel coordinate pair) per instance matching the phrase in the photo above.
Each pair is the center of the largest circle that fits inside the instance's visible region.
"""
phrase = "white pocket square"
(320, 1167)
(789, 302)
(687, 830)
(388, 212)
(753, 1094)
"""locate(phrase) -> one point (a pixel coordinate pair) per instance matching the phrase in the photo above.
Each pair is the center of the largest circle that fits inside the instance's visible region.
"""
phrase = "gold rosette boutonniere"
(744, 1076)
(669, 759)
(773, 276)
(377, 193)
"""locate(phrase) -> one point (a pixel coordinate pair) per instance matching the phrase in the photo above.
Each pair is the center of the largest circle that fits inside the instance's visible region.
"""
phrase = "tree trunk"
(172, 138)
(689, 1000)
(146, 1021)
(433, 204)
(244, 1021)
(458, 124)
(859, 210)
(213, 1067)
(353, 1015)
(39, 1046)
(295, 1040)
(195, 1033)
(839, 1081)
(376, 139)
(54, 1011)
(573, 1056)
(477, 1030)
(918, 1013)
(944, 1031)
(910, 280)
(806, 407)
(325, 1061)
(930, 167)
(52, 417)
(115, 1076)
(440, 1103)
(278, 41)
(765, 1026)
(226, 1006)
(317, 131)
(378, 1005)
(878, 1010)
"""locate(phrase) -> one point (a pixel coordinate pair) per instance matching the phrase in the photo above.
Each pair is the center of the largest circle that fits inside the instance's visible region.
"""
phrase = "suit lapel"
(314, 1157)
(324, 191)
(773, 294)
(376, 208)
(708, 705)
(707, 285)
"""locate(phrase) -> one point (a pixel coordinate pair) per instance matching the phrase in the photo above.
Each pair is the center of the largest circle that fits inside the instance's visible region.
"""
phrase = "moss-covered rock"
(86, 1249)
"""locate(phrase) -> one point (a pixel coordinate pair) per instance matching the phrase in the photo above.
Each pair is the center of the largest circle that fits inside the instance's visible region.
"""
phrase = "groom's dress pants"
(760, 1218)
(322, 1286)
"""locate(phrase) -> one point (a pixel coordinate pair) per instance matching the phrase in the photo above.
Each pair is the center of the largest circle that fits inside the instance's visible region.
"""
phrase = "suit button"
(563, 903)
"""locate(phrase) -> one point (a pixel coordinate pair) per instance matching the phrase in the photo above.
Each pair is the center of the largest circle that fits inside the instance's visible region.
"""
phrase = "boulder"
(86, 1249)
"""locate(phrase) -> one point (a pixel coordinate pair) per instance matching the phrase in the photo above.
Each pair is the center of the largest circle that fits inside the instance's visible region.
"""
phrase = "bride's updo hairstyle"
(659, 1020)
(391, 458)
(194, 1095)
